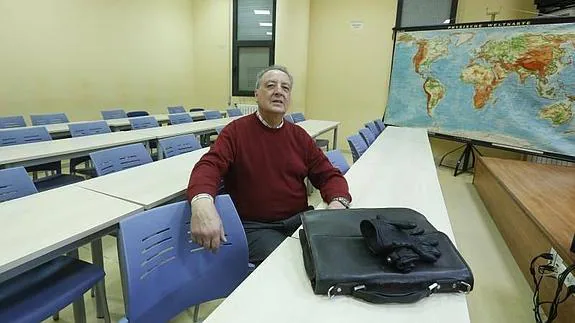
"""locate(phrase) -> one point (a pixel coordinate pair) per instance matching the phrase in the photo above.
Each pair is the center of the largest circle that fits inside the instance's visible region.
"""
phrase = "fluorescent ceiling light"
(266, 24)
(262, 12)
(269, 33)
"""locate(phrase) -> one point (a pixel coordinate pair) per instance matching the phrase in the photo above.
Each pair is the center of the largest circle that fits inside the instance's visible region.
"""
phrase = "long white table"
(396, 171)
(316, 128)
(49, 151)
(42, 226)
(151, 184)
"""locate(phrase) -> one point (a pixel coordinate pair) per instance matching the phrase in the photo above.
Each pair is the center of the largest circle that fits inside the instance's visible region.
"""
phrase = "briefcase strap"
(379, 295)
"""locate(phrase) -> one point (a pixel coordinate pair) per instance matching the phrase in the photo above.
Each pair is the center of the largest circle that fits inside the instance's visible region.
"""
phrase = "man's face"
(274, 93)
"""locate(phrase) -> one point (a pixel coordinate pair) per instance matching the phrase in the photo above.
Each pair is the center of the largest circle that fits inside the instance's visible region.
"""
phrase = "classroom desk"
(42, 226)
(151, 184)
(318, 127)
(396, 171)
(55, 150)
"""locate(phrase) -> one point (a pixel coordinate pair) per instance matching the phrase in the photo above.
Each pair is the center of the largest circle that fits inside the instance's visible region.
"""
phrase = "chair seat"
(55, 181)
(40, 292)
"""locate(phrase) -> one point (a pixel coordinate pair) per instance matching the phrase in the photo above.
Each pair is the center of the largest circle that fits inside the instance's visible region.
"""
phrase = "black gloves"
(402, 244)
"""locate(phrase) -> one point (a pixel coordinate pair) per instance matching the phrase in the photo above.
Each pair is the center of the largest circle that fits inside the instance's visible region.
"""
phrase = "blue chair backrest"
(174, 146)
(219, 129)
(15, 183)
(337, 160)
(297, 117)
(52, 118)
(234, 112)
(367, 135)
(132, 114)
(116, 159)
(88, 128)
(12, 122)
(114, 114)
(211, 115)
(21, 136)
(380, 125)
(143, 122)
(357, 146)
(288, 118)
(373, 128)
(176, 109)
(166, 273)
(180, 118)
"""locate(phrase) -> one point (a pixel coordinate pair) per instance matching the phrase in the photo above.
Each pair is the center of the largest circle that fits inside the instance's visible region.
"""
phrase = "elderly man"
(263, 162)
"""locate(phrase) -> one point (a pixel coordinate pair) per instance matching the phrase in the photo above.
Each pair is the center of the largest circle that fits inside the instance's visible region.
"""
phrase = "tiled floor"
(501, 293)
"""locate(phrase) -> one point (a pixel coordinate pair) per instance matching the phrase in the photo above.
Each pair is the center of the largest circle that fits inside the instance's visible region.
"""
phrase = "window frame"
(452, 14)
(237, 44)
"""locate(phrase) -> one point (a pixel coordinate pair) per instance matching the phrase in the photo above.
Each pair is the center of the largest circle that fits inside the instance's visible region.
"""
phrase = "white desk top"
(185, 128)
(151, 184)
(62, 147)
(396, 171)
(37, 224)
(317, 127)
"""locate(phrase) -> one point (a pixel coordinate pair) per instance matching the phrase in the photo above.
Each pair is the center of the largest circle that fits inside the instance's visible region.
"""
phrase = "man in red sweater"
(263, 162)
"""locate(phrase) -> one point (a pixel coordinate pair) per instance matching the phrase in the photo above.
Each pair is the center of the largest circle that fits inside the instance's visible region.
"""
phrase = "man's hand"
(335, 205)
(206, 226)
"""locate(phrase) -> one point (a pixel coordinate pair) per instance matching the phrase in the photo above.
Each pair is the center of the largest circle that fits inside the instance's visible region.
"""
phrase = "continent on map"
(558, 113)
(429, 51)
(463, 38)
(435, 91)
(405, 38)
(484, 80)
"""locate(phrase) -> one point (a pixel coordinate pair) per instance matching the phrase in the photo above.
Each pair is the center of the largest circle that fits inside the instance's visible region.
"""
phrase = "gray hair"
(273, 68)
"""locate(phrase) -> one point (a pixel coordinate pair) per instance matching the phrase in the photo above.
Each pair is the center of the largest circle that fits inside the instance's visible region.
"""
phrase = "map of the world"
(511, 85)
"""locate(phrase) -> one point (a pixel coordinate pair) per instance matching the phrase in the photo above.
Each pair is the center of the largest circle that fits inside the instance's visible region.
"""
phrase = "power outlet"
(560, 266)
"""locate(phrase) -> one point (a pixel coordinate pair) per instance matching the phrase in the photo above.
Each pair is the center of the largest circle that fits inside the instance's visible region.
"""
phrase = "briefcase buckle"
(465, 285)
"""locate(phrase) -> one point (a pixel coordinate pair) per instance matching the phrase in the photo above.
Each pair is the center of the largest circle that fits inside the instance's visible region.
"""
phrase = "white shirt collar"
(267, 124)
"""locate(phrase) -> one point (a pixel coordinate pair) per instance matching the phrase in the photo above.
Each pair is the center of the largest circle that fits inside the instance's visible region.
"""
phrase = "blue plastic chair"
(297, 117)
(338, 160)
(38, 293)
(179, 118)
(51, 118)
(176, 109)
(12, 122)
(211, 115)
(15, 183)
(119, 158)
(234, 112)
(166, 273)
(143, 122)
(357, 145)
(114, 114)
(373, 128)
(380, 125)
(367, 135)
(20, 136)
(132, 114)
(88, 128)
(174, 146)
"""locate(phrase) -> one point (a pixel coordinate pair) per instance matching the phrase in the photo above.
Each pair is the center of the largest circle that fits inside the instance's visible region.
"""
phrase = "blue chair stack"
(357, 145)
(338, 160)
(166, 273)
(373, 128)
(367, 135)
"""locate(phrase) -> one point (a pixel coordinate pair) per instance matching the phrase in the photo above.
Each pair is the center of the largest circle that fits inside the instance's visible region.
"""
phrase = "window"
(414, 13)
(253, 43)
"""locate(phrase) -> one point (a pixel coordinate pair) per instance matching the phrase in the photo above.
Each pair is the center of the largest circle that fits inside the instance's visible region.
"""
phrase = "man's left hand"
(335, 205)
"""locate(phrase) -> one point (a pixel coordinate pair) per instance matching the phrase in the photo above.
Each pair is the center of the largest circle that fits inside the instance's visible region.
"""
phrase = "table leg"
(98, 259)
(334, 146)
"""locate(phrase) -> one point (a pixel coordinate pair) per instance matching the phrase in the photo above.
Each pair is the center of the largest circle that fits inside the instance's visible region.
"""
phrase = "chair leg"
(98, 259)
(196, 312)
(101, 300)
(79, 310)
(56, 316)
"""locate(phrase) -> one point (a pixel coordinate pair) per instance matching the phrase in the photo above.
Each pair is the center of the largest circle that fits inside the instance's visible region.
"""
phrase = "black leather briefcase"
(338, 262)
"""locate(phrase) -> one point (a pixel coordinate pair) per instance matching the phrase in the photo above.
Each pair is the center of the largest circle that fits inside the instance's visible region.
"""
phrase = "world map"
(512, 85)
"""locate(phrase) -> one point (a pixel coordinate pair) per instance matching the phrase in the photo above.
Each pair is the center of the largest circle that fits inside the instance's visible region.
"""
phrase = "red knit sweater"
(264, 170)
